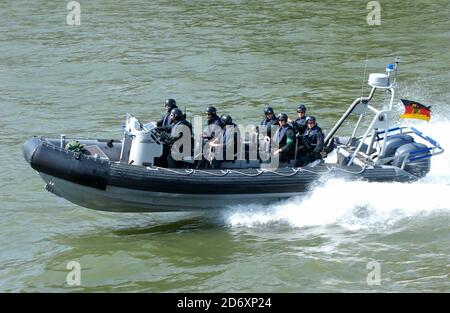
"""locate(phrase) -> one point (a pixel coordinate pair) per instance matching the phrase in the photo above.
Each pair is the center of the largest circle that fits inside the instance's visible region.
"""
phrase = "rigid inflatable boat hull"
(117, 199)
(117, 187)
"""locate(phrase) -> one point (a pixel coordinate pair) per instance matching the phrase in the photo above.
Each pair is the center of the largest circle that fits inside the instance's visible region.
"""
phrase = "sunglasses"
(311, 123)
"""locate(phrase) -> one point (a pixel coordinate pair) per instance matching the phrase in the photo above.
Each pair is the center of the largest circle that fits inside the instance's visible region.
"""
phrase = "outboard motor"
(416, 157)
(394, 142)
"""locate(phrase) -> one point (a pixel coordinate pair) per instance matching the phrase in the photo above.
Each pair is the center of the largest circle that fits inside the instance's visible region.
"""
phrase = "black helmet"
(226, 119)
(170, 104)
(311, 118)
(301, 108)
(176, 114)
(211, 110)
(268, 110)
(282, 117)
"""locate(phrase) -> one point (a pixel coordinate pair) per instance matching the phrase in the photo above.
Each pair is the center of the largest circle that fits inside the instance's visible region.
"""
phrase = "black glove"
(305, 144)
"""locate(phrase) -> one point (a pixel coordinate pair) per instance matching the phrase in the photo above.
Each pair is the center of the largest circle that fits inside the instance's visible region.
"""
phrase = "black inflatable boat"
(121, 176)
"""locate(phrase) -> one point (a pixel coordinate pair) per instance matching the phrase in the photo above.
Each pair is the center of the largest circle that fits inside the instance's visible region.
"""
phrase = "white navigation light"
(379, 80)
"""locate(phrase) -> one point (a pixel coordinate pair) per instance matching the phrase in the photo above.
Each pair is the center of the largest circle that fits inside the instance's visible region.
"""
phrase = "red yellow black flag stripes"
(414, 109)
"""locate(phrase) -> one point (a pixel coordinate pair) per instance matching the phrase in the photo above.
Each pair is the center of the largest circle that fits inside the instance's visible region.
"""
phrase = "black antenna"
(364, 75)
(397, 61)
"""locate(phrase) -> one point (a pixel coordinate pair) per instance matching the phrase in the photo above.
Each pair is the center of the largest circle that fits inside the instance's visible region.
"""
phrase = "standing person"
(169, 104)
(265, 129)
(312, 142)
(284, 137)
(268, 121)
(299, 124)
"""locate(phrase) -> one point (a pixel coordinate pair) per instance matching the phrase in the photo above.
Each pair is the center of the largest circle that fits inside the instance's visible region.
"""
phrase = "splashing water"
(357, 204)
(352, 205)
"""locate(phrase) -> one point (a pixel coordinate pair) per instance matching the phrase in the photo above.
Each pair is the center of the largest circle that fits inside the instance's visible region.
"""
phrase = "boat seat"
(352, 144)
(95, 151)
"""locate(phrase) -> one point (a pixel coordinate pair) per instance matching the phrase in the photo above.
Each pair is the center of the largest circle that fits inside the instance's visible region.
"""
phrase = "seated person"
(312, 142)
(227, 144)
(214, 124)
(174, 148)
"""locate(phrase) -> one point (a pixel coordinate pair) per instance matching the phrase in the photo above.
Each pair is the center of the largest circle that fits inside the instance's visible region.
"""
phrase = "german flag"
(414, 109)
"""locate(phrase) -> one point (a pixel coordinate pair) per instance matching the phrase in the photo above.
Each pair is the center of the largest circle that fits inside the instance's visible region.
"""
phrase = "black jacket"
(230, 141)
(299, 125)
(164, 121)
(266, 124)
(175, 129)
(213, 126)
(216, 121)
(285, 138)
(314, 140)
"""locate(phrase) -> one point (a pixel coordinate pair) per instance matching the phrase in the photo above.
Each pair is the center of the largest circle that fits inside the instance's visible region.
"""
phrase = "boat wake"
(360, 205)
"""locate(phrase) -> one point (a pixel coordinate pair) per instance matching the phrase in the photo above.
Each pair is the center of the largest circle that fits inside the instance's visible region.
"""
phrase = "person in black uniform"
(230, 138)
(312, 142)
(284, 137)
(178, 128)
(268, 121)
(263, 133)
(211, 133)
(170, 104)
(299, 124)
(227, 143)
(214, 124)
